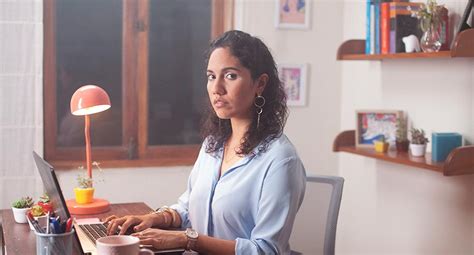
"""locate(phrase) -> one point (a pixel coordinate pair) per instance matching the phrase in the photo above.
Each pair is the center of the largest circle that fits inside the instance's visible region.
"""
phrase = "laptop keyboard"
(94, 231)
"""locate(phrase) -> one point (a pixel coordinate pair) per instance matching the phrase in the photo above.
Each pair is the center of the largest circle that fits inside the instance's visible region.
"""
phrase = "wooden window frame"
(134, 150)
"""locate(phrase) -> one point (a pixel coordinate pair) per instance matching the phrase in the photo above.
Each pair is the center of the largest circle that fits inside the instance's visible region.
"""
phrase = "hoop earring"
(259, 103)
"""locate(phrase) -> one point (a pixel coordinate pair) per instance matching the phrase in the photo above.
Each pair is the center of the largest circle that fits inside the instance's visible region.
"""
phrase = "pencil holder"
(54, 244)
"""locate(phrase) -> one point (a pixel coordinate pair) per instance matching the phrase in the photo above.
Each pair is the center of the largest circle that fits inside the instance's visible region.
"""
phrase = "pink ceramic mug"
(120, 245)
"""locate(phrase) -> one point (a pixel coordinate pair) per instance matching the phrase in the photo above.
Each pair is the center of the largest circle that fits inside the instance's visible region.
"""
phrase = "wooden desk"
(19, 239)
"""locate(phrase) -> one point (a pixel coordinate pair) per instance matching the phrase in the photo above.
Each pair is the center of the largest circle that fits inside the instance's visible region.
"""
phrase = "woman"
(248, 181)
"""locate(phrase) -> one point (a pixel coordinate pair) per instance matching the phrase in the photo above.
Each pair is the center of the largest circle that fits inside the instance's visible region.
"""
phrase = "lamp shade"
(89, 99)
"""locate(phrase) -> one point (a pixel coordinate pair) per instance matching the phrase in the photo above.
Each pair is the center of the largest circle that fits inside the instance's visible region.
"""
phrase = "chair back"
(314, 231)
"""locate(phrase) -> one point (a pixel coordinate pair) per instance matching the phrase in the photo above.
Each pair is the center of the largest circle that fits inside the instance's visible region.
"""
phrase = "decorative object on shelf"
(468, 11)
(88, 100)
(459, 161)
(381, 145)
(293, 14)
(20, 208)
(443, 143)
(430, 19)
(411, 44)
(372, 124)
(418, 142)
(401, 141)
(294, 78)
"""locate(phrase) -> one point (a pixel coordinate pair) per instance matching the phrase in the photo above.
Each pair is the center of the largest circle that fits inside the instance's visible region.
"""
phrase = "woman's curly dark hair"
(255, 56)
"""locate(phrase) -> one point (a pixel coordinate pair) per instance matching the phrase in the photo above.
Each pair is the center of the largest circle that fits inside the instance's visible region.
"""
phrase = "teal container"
(443, 143)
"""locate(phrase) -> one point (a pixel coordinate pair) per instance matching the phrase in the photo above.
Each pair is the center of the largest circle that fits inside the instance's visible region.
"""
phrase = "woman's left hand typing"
(162, 239)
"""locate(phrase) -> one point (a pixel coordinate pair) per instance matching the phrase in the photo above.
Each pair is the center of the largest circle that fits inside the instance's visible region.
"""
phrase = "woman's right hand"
(138, 222)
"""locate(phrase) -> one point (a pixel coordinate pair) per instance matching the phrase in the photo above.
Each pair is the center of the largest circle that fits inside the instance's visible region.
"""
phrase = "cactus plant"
(24, 202)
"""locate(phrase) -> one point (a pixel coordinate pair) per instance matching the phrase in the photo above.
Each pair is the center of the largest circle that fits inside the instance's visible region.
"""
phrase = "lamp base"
(97, 206)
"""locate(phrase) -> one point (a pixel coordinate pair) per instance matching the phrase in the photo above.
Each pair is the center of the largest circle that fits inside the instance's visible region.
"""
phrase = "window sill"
(104, 164)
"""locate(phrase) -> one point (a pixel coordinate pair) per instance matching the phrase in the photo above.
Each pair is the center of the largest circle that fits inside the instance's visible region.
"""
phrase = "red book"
(385, 28)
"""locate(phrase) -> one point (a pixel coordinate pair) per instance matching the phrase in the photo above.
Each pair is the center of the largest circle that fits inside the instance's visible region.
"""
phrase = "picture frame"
(294, 78)
(371, 124)
(292, 14)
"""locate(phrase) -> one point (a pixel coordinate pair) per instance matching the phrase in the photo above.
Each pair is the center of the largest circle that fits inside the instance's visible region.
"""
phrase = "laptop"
(86, 230)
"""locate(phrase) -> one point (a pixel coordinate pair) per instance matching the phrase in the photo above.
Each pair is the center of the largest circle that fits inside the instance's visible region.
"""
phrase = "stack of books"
(388, 21)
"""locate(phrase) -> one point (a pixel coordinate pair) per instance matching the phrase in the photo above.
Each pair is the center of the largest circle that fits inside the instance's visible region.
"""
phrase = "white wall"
(312, 127)
(394, 209)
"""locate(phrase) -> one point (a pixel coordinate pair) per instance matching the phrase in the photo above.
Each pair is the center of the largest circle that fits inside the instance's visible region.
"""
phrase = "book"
(368, 15)
(384, 28)
(377, 26)
(402, 24)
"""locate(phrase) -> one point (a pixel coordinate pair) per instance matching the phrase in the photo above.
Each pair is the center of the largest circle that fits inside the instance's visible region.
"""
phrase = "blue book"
(368, 26)
(377, 26)
(442, 144)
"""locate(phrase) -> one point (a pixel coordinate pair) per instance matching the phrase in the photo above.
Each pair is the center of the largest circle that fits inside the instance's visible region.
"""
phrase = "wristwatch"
(192, 236)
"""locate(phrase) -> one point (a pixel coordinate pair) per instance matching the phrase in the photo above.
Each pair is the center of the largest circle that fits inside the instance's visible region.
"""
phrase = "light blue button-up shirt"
(254, 202)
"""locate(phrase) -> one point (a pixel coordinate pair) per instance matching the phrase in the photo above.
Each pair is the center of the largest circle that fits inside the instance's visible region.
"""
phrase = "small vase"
(19, 214)
(417, 150)
(402, 146)
(380, 146)
(84, 196)
(431, 41)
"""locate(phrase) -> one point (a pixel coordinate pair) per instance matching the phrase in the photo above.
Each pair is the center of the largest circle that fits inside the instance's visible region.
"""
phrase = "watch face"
(191, 233)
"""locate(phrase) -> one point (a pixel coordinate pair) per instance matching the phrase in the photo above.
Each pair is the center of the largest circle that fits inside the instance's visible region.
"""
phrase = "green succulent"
(24, 202)
(84, 182)
(418, 136)
(401, 129)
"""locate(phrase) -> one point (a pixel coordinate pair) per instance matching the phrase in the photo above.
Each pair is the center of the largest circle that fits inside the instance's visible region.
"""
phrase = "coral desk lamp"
(87, 100)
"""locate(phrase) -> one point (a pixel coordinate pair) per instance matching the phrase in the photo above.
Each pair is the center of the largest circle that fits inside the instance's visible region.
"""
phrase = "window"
(149, 57)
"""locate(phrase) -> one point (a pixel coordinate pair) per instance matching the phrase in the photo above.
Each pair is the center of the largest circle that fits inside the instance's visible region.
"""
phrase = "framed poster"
(292, 14)
(372, 124)
(294, 78)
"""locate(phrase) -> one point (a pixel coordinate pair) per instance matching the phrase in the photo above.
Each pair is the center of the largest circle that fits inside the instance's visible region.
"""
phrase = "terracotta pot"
(402, 146)
(84, 196)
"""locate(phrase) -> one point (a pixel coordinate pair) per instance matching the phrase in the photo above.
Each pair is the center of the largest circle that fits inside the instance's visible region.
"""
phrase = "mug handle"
(144, 251)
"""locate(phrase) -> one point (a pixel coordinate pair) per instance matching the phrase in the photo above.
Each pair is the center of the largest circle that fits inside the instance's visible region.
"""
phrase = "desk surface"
(19, 239)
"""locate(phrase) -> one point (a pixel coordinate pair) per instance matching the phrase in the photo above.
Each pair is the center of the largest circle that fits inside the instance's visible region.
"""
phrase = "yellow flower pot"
(84, 196)
(380, 146)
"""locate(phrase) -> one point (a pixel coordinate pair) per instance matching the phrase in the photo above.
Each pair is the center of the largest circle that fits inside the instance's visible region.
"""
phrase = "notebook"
(86, 230)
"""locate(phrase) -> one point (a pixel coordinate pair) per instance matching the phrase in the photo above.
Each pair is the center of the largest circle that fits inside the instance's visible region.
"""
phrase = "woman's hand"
(162, 239)
(138, 222)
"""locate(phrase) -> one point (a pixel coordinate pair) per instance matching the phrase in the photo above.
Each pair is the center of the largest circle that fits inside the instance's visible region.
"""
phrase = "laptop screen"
(52, 188)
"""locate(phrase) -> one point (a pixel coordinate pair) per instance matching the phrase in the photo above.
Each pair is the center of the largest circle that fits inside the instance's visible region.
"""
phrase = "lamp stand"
(97, 205)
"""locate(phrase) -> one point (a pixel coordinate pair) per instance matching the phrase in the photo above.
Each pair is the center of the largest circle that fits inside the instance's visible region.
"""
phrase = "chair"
(314, 231)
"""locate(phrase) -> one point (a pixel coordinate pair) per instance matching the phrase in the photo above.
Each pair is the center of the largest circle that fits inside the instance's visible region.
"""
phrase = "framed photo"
(293, 14)
(294, 78)
(371, 125)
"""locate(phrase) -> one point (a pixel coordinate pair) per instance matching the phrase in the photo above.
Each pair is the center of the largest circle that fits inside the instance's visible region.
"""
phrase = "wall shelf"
(463, 46)
(459, 162)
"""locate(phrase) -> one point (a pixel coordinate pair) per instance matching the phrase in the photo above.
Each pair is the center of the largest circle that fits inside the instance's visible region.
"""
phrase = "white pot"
(417, 150)
(20, 214)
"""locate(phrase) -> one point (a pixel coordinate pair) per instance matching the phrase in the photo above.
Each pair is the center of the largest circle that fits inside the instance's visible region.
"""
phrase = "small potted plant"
(39, 214)
(20, 207)
(84, 192)
(381, 144)
(418, 142)
(402, 141)
(45, 203)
